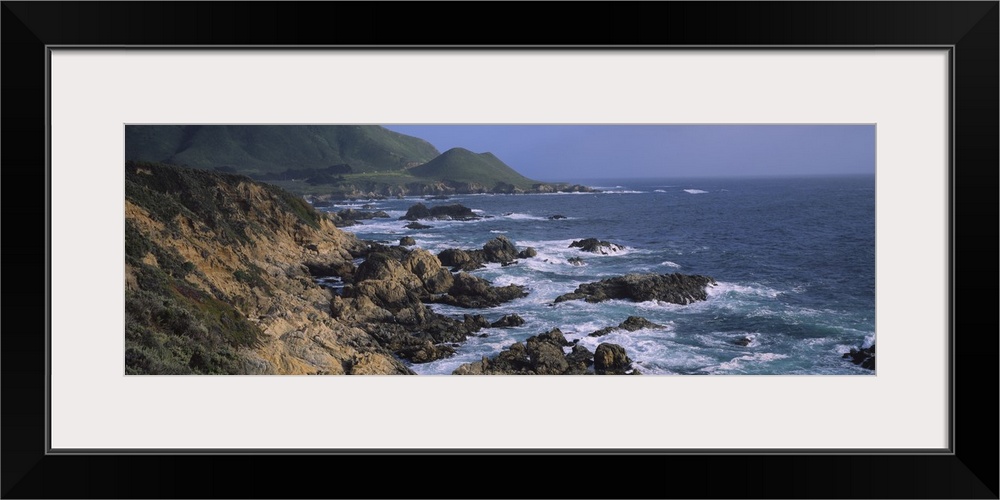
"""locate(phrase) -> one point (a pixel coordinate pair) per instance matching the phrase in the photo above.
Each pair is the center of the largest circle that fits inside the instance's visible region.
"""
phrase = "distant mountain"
(331, 161)
(258, 150)
(462, 165)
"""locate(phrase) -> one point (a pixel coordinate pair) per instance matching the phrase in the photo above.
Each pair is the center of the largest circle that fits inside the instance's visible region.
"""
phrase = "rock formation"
(632, 324)
(594, 245)
(674, 288)
(498, 250)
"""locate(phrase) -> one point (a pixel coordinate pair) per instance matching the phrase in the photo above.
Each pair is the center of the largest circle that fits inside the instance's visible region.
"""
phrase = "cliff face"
(217, 280)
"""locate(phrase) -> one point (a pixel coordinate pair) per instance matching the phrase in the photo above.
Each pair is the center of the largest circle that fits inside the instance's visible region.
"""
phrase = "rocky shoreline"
(436, 189)
(240, 277)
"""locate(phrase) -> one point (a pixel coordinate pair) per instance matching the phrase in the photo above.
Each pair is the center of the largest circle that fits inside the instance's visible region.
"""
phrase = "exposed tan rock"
(263, 278)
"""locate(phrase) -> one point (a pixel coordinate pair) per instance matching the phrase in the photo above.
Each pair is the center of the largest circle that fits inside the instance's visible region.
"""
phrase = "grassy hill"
(347, 161)
(258, 150)
(462, 165)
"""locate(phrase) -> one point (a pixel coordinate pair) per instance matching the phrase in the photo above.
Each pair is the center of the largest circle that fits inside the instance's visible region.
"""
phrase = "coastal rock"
(546, 358)
(864, 356)
(343, 270)
(577, 188)
(603, 331)
(338, 221)
(580, 358)
(498, 250)
(633, 323)
(423, 351)
(473, 292)
(371, 248)
(417, 212)
(417, 225)
(527, 253)
(407, 241)
(593, 245)
(459, 260)
(433, 190)
(743, 341)
(506, 188)
(453, 212)
(675, 288)
(350, 217)
(427, 268)
(390, 295)
(611, 359)
(475, 322)
(508, 321)
(381, 266)
(543, 354)
(575, 261)
(557, 217)
(352, 214)
(387, 298)
(554, 336)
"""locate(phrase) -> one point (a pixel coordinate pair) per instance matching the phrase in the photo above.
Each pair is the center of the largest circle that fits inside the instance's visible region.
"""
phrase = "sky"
(577, 152)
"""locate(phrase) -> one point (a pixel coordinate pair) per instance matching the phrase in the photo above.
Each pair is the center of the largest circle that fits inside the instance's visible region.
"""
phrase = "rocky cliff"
(217, 280)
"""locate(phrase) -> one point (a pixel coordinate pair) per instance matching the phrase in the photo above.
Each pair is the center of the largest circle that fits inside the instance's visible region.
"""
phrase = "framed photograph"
(904, 93)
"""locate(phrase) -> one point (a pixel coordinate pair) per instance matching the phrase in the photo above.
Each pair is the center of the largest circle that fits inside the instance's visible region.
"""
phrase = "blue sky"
(571, 152)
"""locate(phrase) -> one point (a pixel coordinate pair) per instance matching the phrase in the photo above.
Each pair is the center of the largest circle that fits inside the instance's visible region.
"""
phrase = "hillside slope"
(217, 280)
(258, 150)
(462, 165)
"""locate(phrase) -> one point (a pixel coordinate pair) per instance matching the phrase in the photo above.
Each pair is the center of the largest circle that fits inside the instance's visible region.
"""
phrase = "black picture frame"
(969, 28)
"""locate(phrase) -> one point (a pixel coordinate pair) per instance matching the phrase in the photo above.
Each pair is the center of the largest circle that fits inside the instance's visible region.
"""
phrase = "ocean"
(794, 260)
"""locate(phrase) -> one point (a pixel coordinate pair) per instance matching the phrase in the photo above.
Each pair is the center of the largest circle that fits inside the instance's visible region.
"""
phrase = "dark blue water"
(794, 260)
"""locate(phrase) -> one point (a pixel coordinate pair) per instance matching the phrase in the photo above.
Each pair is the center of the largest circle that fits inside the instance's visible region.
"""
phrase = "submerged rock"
(674, 288)
(557, 217)
(633, 323)
(508, 321)
(593, 245)
(407, 241)
(417, 225)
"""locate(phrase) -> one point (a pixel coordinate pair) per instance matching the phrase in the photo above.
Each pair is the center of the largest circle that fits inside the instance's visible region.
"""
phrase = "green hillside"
(268, 149)
(462, 165)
